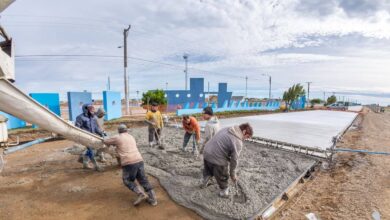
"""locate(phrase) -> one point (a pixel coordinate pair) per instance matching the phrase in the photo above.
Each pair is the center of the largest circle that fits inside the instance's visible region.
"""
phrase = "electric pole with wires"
(125, 34)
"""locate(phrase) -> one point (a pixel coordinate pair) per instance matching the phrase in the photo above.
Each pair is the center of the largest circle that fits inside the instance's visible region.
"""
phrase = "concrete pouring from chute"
(15, 102)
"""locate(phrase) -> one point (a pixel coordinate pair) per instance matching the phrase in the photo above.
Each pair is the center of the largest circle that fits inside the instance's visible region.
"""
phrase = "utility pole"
(269, 92)
(246, 86)
(108, 84)
(308, 92)
(324, 97)
(270, 83)
(185, 57)
(166, 86)
(137, 97)
(208, 93)
(125, 34)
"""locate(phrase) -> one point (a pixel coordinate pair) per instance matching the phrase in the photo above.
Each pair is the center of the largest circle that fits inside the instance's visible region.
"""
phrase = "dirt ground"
(44, 182)
(357, 185)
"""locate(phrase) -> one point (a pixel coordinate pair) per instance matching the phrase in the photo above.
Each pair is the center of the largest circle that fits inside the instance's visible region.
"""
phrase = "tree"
(331, 99)
(293, 93)
(315, 101)
(157, 96)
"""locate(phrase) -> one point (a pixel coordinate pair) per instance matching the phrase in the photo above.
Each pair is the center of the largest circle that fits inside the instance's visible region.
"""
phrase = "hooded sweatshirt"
(224, 148)
(88, 122)
(211, 128)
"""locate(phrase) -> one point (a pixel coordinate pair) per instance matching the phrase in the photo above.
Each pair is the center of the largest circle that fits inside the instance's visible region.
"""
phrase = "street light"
(185, 57)
(270, 80)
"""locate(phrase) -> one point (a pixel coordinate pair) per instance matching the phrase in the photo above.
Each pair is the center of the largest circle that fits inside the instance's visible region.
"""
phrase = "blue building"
(195, 97)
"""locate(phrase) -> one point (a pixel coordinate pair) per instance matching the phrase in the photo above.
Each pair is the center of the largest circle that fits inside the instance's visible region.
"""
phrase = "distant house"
(237, 98)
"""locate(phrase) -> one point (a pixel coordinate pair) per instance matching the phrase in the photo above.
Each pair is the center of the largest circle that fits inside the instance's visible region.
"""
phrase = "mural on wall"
(195, 97)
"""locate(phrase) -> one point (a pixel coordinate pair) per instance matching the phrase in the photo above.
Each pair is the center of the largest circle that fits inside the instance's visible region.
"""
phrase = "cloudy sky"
(342, 46)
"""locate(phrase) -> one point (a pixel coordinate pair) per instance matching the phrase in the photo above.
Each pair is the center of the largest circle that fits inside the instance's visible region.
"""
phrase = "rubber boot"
(141, 196)
(205, 182)
(224, 193)
(97, 167)
(152, 198)
(85, 162)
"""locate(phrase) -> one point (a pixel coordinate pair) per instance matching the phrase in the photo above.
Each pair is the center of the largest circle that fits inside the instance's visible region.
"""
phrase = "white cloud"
(238, 34)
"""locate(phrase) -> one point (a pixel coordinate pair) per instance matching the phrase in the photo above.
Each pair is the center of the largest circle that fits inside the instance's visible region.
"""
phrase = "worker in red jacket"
(192, 129)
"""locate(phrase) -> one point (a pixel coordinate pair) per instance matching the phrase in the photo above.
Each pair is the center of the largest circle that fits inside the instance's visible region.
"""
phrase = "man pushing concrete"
(221, 155)
(155, 121)
(132, 165)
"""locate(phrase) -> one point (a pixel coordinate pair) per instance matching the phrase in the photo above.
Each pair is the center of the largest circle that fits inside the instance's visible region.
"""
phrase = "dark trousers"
(133, 172)
(221, 173)
(89, 155)
(154, 133)
(187, 137)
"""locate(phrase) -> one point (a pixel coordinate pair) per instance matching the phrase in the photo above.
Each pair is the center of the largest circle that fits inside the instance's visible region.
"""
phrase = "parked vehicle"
(337, 106)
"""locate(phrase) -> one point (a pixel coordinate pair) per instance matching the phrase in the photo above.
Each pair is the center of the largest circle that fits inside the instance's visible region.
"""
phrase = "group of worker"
(221, 149)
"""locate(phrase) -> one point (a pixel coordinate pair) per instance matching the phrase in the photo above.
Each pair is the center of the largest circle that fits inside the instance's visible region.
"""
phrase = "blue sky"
(342, 46)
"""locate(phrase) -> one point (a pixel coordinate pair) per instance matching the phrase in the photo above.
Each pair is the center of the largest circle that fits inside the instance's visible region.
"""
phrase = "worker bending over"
(155, 122)
(211, 128)
(87, 121)
(221, 155)
(192, 129)
(132, 165)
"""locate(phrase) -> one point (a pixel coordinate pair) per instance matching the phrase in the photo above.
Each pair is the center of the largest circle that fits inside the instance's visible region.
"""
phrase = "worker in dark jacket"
(221, 155)
(88, 122)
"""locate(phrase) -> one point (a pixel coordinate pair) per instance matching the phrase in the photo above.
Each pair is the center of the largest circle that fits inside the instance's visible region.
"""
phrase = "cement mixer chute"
(7, 57)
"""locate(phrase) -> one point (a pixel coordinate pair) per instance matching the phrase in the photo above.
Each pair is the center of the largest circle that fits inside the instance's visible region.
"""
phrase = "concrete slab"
(308, 128)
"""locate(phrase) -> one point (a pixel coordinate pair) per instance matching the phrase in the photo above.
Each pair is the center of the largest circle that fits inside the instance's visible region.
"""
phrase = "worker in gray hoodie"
(221, 155)
(211, 128)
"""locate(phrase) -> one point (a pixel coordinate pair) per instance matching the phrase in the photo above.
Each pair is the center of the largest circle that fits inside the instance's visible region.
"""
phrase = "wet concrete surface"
(263, 174)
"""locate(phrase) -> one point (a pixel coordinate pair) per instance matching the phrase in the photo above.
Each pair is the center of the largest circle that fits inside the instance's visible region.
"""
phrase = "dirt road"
(357, 185)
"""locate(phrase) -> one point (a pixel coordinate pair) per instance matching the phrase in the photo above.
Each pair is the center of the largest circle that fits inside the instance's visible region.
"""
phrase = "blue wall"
(112, 105)
(13, 122)
(49, 100)
(196, 95)
(75, 101)
(223, 95)
(299, 104)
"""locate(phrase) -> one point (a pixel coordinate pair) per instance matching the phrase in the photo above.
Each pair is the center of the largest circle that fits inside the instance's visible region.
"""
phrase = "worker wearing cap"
(211, 128)
(132, 165)
(87, 121)
(155, 122)
(192, 129)
(100, 113)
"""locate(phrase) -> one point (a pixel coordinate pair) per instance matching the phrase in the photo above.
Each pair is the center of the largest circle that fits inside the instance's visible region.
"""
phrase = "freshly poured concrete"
(308, 128)
(263, 175)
